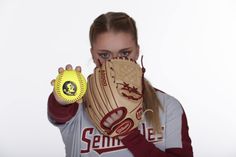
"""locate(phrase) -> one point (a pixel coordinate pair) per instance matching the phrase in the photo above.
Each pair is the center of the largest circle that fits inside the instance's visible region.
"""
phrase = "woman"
(163, 133)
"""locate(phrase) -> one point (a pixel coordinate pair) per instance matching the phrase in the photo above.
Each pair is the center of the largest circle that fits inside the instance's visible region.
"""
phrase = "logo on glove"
(103, 78)
(130, 92)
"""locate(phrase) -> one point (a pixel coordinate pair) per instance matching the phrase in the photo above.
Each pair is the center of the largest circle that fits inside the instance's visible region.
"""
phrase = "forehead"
(113, 40)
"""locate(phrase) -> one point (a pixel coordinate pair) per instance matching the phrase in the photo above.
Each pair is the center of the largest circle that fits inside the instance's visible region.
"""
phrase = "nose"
(114, 54)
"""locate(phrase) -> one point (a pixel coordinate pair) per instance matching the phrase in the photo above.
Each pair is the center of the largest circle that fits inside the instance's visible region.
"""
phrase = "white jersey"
(82, 139)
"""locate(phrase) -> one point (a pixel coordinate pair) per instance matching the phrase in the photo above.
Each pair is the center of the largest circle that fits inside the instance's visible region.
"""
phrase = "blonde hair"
(113, 21)
(119, 21)
(152, 103)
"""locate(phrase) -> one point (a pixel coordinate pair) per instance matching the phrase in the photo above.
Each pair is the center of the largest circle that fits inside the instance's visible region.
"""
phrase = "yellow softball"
(70, 86)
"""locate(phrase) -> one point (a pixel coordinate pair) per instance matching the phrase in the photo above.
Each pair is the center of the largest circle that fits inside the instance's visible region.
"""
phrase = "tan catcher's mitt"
(114, 96)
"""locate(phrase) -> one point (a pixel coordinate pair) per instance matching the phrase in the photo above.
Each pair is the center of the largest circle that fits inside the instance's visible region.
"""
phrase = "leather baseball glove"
(114, 96)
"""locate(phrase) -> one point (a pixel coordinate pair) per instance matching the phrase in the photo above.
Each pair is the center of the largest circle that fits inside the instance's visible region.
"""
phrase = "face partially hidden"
(114, 44)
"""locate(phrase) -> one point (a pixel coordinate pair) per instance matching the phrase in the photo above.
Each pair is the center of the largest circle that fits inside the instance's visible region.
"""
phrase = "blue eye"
(104, 55)
(124, 53)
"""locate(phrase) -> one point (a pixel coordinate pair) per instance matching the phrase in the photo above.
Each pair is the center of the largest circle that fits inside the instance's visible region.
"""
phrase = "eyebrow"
(125, 49)
(103, 50)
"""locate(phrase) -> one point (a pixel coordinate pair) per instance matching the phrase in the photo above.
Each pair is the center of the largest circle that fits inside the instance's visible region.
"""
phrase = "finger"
(53, 82)
(68, 67)
(78, 68)
(60, 70)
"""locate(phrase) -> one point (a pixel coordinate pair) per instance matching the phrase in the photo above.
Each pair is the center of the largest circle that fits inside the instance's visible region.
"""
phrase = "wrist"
(133, 133)
(58, 100)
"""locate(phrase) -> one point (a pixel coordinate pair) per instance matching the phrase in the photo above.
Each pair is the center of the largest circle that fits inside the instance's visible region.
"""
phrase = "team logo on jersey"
(103, 144)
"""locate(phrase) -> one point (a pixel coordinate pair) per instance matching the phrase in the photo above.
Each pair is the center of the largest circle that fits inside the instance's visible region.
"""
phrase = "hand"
(60, 70)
